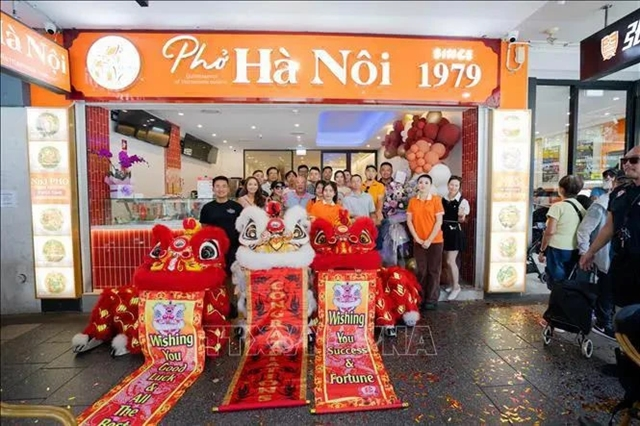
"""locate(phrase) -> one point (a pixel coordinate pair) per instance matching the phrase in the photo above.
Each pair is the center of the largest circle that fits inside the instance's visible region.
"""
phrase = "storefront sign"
(51, 165)
(283, 66)
(609, 50)
(509, 200)
(32, 56)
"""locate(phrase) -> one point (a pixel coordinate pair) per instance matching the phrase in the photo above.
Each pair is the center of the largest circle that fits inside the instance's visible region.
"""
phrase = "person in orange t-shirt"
(327, 208)
(424, 219)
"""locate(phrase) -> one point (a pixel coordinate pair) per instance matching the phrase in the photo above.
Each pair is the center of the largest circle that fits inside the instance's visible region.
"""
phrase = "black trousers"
(625, 279)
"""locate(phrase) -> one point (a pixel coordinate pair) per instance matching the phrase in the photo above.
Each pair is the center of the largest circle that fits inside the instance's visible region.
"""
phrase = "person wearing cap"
(608, 178)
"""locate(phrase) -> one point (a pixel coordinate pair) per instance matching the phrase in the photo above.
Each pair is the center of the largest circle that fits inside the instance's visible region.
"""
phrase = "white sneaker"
(447, 289)
(454, 293)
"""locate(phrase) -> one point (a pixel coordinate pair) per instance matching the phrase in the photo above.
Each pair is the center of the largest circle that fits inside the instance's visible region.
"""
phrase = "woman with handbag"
(559, 242)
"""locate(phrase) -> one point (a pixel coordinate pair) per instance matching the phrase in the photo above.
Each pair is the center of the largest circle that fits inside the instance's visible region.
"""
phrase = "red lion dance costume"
(193, 261)
(351, 245)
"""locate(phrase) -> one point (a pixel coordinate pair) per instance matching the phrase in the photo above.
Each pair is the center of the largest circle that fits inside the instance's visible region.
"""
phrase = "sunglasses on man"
(631, 160)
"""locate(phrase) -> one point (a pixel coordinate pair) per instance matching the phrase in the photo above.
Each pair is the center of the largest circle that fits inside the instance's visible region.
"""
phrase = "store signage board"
(612, 49)
(509, 200)
(283, 66)
(51, 168)
(32, 56)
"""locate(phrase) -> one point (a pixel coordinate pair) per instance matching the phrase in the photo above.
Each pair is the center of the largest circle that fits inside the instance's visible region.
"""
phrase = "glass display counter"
(149, 211)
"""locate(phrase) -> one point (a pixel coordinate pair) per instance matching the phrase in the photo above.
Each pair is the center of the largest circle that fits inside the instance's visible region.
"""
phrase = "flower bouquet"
(396, 242)
(119, 176)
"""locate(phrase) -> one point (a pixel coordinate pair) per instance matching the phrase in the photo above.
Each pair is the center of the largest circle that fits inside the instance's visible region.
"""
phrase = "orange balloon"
(414, 148)
(413, 165)
(419, 170)
(427, 167)
(411, 156)
(420, 154)
(421, 162)
(423, 145)
(439, 149)
(432, 157)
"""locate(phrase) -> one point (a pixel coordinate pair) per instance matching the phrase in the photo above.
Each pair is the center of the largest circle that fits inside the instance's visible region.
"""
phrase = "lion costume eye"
(320, 238)
(209, 250)
(250, 231)
(156, 253)
(365, 238)
(299, 233)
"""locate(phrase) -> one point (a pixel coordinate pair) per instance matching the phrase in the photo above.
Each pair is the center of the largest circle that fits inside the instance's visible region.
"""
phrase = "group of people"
(432, 221)
(599, 234)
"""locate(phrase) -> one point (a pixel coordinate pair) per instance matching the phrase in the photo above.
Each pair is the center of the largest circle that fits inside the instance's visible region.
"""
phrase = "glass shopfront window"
(601, 133)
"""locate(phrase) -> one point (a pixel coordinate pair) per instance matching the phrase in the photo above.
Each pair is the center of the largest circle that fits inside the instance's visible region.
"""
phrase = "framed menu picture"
(510, 171)
(54, 202)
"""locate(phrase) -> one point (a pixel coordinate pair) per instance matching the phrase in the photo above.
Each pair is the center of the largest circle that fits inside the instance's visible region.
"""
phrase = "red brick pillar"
(173, 163)
(470, 191)
(98, 125)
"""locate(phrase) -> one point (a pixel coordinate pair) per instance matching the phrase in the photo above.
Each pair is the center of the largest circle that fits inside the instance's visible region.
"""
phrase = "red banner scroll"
(349, 374)
(273, 371)
(172, 342)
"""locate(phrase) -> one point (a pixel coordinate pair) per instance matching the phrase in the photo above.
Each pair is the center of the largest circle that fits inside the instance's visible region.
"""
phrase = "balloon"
(407, 119)
(383, 143)
(449, 135)
(414, 148)
(419, 133)
(398, 126)
(420, 154)
(413, 164)
(434, 117)
(404, 135)
(422, 123)
(431, 131)
(411, 133)
(443, 121)
(419, 170)
(446, 154)
(423, 145)
(421, 162)
(427, 167)
(440, 174)
(439, 149)
(390, 153)
(432, 157)
(411, 265)
(411, 156)
(401, 151)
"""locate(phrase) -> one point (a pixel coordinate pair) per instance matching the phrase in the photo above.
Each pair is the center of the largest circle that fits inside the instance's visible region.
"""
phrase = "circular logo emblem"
(113, 63)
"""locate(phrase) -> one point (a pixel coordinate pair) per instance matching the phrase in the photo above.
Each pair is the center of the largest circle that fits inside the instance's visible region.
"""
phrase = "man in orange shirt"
(424, 220)
(374, 188)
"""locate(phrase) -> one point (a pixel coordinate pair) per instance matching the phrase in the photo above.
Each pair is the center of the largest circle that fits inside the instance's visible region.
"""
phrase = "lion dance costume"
(351, 245)
(191, 262)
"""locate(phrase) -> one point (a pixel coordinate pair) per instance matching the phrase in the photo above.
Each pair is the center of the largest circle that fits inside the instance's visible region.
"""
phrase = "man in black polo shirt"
(223, 212)
(623, 230)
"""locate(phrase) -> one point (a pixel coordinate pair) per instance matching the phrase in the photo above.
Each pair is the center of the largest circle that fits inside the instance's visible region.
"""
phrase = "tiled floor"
(477, 362)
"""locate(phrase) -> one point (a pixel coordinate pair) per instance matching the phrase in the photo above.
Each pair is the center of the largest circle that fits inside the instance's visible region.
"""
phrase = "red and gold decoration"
(349, 373)
(190, 262)
(172, 341)
(273, 371)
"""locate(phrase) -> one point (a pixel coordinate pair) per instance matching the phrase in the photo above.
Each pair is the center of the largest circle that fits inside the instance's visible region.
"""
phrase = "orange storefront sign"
(283, 67)
(32, 56)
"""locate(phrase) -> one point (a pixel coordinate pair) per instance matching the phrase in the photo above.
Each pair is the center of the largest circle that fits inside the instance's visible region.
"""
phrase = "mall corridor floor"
(467, 363)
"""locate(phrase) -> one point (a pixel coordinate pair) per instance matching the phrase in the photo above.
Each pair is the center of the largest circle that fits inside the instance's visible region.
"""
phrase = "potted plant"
(119, 176)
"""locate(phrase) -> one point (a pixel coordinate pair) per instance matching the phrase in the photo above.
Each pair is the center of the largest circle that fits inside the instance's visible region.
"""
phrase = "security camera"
(512, 37)
(50, 28)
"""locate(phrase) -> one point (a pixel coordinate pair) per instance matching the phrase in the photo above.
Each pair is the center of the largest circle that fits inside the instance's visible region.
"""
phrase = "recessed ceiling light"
(537, 133)
(181, 114)
(607, 113)
(368, 146)
(260, 135)
(295, 111)
(253, 127)
(199, 126)
(379, 137)
(299, 144)
(214, 135)
(567, 124)
(568, 113)
(224, 141)
(230, 147)
(616, 98)
(297, 125)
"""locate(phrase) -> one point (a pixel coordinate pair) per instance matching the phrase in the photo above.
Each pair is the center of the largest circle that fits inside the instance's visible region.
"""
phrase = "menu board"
(509, 199)
(52, 199)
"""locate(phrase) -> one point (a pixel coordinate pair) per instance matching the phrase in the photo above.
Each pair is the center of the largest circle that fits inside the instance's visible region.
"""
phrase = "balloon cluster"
(424, 141)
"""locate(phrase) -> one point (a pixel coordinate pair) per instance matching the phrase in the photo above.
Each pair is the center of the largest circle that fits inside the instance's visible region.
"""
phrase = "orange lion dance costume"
(351, 245)
(190, 262)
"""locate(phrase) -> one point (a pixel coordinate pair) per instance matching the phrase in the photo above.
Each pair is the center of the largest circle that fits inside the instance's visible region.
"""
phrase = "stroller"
(539, 225)
(571, 306)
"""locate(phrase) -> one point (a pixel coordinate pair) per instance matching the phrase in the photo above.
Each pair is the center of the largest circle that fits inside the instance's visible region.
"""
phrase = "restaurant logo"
(113, 63)
(609, 46)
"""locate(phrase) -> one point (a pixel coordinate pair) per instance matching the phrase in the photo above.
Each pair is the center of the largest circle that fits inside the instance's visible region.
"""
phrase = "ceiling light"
(253, 127)
(567, 124)
(124, 110)
(214, 135)
(199, 126)
(295, 111)
(181, 114)
(368, 146)
(152, 119)
(537, 133)
(568, 113)
(224, 141)
(297, 125)
(616, 98)
(230, 147)
(379, 137)
(299, 144)
(606, 113)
